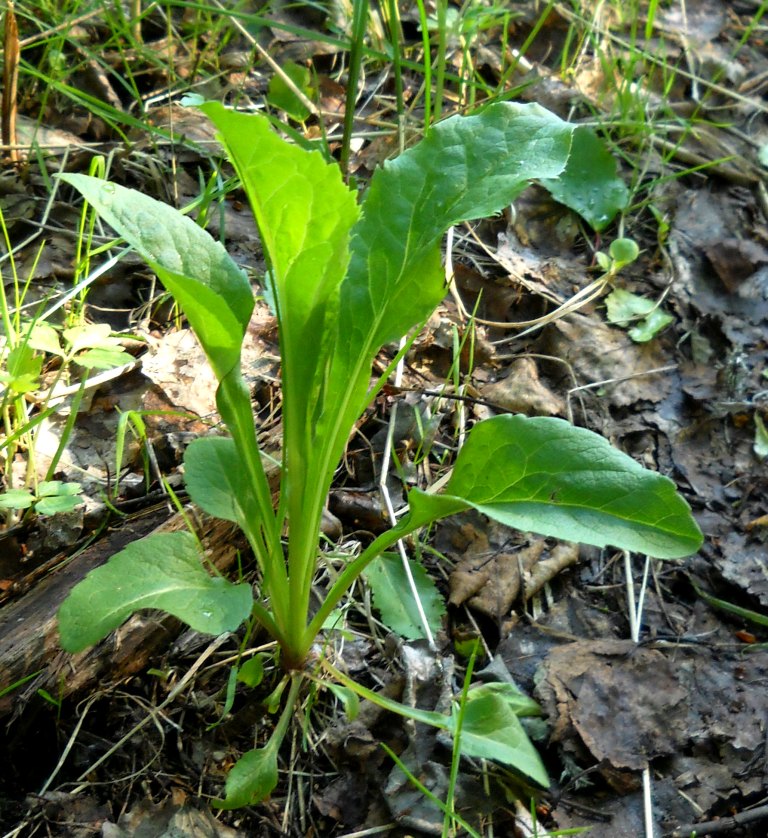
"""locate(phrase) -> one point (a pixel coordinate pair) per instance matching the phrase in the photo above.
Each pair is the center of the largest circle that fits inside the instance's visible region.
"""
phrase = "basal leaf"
(252, 778)
(589, 185)
(162, 571)
(393, 598)
(546, 476)
(212, 291)
(517, 701)
(281, 96)
(491, 730)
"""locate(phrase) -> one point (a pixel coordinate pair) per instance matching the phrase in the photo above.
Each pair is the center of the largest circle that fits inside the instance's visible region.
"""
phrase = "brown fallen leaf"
(490, 581)
(522, 391)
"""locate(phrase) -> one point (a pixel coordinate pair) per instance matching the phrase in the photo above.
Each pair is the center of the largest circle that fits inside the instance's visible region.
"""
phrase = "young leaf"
(16, 499)
(623, 307)
(589, 185)
(162, 571)
(305, 214)
(251, 672)
(216, 482)
(517, 701)
(252, 778)
(491, 730)
(544, 475)
(394, 600)
(281, 96)
(348, 698)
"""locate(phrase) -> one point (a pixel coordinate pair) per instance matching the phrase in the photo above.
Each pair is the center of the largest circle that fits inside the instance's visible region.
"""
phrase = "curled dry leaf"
(522, 391)
(490, 581)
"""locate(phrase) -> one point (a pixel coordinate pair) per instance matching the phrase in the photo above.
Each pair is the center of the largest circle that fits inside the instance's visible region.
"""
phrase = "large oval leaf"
(544, 475)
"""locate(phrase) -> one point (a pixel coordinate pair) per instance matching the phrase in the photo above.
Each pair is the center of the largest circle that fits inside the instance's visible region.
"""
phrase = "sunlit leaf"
(546, 476)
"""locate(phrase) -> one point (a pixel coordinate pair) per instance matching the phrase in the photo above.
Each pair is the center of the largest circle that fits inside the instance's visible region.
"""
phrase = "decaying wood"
(29, 639)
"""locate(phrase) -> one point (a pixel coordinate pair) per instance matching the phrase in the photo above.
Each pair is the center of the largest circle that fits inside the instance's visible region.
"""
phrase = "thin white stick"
(383, 488)
(635, 610)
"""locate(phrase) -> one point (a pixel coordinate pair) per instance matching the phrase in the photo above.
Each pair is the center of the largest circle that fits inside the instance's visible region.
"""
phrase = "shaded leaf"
(349, 700)
(162, 571)
(252, 778)
(280, 95)
(624, 307)
(251, 672)
(589, 185)
(491, 730)
(215, 479)
(393, 599)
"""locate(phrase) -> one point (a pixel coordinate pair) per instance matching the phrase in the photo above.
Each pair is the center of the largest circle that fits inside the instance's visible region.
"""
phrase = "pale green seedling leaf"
(23, 369)
(252, 778)
(212, 291)
(394, 600)
(546, 476)
(56, 496)
(589, 185)
(45, 338)
(58, 504)
(103, 359)
(623, 252)
(647, 328)
(16, 499)
(623, 307)
(49, 488)
(161, 571)
(90, 336)
(491, 730)
(760, 446)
